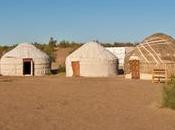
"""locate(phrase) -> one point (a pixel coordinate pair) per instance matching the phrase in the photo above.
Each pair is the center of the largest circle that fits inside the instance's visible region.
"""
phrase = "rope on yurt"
(142, 54)
(154, 52)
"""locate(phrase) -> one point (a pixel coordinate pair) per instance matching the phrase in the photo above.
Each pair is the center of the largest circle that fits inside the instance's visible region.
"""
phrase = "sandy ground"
(58, 103)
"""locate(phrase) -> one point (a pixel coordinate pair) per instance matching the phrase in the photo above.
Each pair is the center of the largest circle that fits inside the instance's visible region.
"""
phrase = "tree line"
(50, 47)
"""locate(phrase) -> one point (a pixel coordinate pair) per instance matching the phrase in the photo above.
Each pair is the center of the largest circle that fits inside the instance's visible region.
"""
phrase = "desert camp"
(92, 59)
(87, 91)
(87, 65)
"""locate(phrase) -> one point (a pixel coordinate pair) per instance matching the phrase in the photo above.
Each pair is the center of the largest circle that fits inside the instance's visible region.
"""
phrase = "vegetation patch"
(169, 94)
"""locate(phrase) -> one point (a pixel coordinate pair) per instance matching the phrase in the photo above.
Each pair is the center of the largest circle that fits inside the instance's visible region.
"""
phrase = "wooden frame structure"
(159, 75)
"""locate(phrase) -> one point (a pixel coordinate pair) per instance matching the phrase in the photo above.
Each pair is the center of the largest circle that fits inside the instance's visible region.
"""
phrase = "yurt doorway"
(27, 67)
(135, 69)
(76, 68)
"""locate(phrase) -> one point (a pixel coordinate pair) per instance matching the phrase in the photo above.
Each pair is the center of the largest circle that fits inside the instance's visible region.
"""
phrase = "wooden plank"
(159, 75)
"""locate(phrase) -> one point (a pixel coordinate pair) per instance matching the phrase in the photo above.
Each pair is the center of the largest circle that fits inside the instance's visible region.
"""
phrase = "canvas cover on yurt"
(91, 60)
(155, 52)
(25, 59)
(120, 53)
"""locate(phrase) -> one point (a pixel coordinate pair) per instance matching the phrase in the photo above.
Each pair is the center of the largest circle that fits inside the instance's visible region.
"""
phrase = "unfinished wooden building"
(155, 52)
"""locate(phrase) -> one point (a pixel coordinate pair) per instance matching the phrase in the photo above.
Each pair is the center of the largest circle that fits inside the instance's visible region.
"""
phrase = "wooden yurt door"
(76, 68)
(135, 69)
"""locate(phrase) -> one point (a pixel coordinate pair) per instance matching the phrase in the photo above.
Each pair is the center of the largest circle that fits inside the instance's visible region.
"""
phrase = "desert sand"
(59, 103)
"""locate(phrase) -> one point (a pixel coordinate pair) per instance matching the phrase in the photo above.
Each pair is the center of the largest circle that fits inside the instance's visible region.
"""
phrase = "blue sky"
(84, 20)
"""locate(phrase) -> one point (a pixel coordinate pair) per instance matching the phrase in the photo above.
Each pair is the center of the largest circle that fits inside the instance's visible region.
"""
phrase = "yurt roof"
(26, 50)
(92, 50)
(158, 37)
(157, 48)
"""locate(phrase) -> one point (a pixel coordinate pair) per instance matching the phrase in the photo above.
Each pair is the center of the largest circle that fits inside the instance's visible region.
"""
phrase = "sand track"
(58, 103)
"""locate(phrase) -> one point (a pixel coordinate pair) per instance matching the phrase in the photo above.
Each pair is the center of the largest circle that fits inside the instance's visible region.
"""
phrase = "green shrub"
(169, 94)
(61, 68)
(66, 44)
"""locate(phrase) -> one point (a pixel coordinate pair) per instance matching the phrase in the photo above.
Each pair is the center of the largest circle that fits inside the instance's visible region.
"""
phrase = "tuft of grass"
(61, 68)
(168, 100)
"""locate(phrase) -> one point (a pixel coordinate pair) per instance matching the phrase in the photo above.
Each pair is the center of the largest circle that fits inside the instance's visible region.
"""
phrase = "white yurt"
(91, 60)
(25, 59)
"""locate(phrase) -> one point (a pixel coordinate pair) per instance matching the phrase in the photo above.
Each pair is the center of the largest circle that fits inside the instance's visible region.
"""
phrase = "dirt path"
(58, 103)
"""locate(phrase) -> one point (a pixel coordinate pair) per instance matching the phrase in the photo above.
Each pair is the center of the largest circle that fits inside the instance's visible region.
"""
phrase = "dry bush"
(169, 94)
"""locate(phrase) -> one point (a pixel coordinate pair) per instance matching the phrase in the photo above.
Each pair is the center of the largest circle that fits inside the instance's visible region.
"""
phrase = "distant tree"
(108, 45)
(65, 44)
(97, 41)
(4, 49)
(119, 44)
(52, 42)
